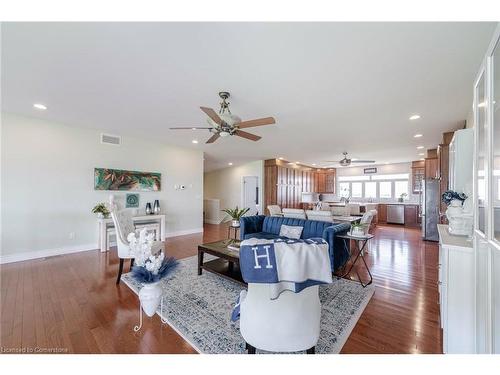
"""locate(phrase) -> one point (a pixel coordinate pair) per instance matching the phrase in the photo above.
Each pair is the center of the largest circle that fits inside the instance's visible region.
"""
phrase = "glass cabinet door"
(481, 123)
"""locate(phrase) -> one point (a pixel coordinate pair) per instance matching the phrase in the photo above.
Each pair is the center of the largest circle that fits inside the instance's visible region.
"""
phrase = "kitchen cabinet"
(411, 215)
(417, 175)
(431, 167)
(284, 183)
(382, 213)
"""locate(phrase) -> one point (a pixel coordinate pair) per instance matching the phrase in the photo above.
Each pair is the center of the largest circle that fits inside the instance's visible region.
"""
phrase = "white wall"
(381, 169)
(48, 185)
(226, 184)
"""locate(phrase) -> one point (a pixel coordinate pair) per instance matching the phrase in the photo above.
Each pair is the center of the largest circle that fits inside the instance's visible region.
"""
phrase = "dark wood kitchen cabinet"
(382, 213)
(411, 216)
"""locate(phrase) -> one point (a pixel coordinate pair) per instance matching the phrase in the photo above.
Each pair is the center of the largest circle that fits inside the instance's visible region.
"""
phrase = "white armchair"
(294, 213)
(319, 215)
(124, 225)
(288, 324)
(274, 210)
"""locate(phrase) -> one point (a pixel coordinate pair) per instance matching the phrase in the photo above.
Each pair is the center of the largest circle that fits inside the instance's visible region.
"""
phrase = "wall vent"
(111, 139)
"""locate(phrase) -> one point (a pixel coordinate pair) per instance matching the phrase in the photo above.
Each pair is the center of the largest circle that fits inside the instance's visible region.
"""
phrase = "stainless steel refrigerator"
(430, 209)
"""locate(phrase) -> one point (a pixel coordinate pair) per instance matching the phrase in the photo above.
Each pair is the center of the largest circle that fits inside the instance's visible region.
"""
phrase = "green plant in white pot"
(236, 214)
(358, 229)
(101, 210)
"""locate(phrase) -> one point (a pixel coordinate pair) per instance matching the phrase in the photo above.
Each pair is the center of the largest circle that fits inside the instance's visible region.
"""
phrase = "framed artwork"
(132, 200)
(117, 179)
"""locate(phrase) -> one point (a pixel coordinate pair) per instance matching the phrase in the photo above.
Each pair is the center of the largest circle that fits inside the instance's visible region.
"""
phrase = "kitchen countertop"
(387, 203)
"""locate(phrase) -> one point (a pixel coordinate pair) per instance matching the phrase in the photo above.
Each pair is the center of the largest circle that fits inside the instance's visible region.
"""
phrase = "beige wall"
(48, 189)
(226, 184)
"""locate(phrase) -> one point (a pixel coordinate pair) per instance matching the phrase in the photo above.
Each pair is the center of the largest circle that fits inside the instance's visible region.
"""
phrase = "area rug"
(199, 309)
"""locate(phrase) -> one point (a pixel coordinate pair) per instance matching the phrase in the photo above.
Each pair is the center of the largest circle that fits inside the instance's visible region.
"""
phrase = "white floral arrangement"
(148, 267)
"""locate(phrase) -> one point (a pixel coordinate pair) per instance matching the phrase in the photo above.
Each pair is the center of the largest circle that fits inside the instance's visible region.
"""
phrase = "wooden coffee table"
(226, 265)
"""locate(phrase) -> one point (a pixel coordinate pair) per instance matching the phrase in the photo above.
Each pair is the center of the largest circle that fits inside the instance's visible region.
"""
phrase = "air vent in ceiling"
(111, 139)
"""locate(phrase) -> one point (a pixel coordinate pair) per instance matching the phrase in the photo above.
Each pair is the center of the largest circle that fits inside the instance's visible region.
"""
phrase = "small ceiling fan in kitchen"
(225, 124)
(345, 162)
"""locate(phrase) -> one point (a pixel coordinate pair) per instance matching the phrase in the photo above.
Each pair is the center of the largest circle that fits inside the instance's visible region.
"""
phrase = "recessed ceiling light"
(40, 106)
(420, 147)
(422, 159)
(193, 128)
(417, 136)
(414, 117)
(229, 163)
(421, 154)
(194, 141)
(313, 163)
(280, 158)
(297, 162)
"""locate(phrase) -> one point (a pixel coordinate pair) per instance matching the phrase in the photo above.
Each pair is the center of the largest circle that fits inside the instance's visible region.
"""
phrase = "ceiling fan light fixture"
(224, 134)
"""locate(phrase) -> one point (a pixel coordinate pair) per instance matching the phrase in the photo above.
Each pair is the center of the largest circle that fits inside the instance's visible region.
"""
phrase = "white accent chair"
(274, 210)
(290, 323)
(340, 211)
(295, 213)
(319, 215)
(124, 225)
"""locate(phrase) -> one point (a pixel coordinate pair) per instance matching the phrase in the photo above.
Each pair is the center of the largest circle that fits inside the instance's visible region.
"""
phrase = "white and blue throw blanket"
(284, 264)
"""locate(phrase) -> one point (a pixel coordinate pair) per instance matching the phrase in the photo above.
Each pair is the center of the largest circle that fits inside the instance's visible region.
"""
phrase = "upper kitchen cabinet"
(326, 179)
(417, 175)
(431, 167)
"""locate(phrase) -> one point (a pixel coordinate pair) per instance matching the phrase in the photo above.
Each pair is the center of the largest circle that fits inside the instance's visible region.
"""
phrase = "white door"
(251, 194)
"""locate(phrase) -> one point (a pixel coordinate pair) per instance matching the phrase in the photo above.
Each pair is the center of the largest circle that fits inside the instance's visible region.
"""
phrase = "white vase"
(150, 297)
(454, 209)
(235, 223)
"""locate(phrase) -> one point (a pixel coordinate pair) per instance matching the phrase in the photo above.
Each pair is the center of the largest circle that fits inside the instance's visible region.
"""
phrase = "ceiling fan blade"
(256, 122)
(212, 114)
(213, 138)
(362, 161)
(191, 128)
(252, 137)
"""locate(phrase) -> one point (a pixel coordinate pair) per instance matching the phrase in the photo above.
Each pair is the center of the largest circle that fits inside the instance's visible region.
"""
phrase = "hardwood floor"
(70, 303)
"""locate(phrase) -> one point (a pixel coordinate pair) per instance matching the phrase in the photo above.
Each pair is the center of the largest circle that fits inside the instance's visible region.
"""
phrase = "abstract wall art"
(117, 179)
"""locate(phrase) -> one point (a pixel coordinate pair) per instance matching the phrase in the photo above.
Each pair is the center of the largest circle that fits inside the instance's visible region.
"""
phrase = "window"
(354, 178)
(344, 189)
(399, 176)
(370, 189)
(385, 189)
(357, 190)
(401, 187)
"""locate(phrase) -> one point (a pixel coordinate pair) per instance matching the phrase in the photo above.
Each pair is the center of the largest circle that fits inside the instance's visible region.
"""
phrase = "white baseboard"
(28, 255)
(212, 221)
(183, 232)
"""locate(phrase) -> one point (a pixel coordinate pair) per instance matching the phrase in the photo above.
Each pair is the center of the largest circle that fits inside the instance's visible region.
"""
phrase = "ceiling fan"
(345, 162)
(225, 124)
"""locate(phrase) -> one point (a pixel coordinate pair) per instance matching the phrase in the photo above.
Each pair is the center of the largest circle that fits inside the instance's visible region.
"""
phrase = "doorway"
(250, 197)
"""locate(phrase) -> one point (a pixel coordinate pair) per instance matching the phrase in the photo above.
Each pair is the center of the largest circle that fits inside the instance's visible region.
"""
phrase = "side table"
(360, 244)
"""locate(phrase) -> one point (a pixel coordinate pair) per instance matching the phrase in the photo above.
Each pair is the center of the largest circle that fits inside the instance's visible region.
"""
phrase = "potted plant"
(236, 215)
(402, 197)
(101, 210)
(149, 269)
(358, 229)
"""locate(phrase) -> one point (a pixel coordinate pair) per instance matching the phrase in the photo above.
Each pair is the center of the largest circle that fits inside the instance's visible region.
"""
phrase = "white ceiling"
(331, 86)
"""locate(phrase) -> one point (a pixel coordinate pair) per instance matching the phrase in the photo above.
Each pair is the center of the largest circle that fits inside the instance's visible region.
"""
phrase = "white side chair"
(319, 215)
(124, 225)
(290, 323)
(274, 210)
(340, 211)
(295, 213)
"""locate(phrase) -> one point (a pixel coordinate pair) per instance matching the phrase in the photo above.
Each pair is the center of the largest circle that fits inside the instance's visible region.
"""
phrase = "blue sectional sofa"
(268, 227)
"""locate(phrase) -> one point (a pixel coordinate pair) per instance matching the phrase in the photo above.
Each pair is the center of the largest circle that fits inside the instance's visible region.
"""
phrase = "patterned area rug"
(199, 309)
